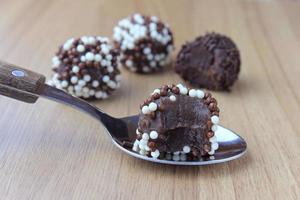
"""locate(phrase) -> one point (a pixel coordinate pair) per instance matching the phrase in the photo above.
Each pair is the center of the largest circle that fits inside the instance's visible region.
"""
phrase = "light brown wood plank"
(49, 151)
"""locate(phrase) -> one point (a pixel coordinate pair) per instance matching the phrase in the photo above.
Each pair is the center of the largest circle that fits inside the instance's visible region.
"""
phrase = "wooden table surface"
(50, 151)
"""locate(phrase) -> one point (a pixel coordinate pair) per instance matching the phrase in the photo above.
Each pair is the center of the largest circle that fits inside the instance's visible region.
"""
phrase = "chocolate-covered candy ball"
(145, 43)
(177, 123)
(86, 67)
(211, 61)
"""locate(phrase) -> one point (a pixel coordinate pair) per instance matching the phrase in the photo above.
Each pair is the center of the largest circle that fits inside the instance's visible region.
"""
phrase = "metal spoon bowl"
(27, 86)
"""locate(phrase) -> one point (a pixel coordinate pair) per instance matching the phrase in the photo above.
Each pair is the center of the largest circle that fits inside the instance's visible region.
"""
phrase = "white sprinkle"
(75, 69)
(200, 94)
(153, 135)
(214, 128)
(215, 119)
(215, 146)
(81, 83)
(186, 149)
(64, 83)
(85, 90)
(176, 153)
(152, 106)
(118, 78)
(99, 94)
(74, 79)
(145, 110)
(77, 88)
(212, 152)
(55, 61)
(110, 69)
(156, 91)
(87, 78)
(70, 88)
(145, 136)
(192, 93)
(98, 57)
(92, 92)
(95, 83)
(183, 157)
(146, 69)
(128, 63)
(91, 40)
(155, 154)
(172, 98)
(183, 90)
(147, 50)
(109, 57)
(176, 157)
(105, 79)
(112, 84)
(82, 59)
(80, 48)
(89, 56)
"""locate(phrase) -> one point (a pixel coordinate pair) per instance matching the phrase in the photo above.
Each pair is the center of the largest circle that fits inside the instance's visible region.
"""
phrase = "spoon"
(28, 86)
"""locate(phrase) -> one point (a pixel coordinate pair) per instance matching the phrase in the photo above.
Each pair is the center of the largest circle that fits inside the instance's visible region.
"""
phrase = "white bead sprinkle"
(75, 69)
(213, 139)
(81, 83)
(212, 152)
(152, 106)
(145, 110)
(200, 94)
(214, 128)
(153, 135)
(172, 98)
(192, 93)
(64, 83)
(176, 157)
(89, 56)
(80, 48)
(215, 119)
(145, 136)
(215, 145)
(74, 79)
(87, 78)
(155, 154)
(186, 149)
(183, 90)
(105, 79)
(95, 83)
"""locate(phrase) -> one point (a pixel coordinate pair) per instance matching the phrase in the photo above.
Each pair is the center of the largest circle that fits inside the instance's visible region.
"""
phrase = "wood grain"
(48, 151)
(19, 83)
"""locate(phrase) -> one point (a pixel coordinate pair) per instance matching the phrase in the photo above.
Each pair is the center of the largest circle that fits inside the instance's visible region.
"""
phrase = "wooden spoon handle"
(20, 84)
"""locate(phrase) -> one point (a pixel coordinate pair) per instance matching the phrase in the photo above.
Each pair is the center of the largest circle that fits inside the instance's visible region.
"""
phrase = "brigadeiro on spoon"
(211, 61)
(177, 123)
(145, 43)
(86, 67)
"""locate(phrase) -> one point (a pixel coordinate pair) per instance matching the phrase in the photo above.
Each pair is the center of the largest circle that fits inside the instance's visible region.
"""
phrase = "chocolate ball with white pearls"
(211, 61)
(86, 67)
(145, 43)
(177, 123)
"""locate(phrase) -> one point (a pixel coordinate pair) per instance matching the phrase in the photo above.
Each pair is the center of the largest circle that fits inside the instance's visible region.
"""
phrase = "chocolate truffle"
(86, 67)
(177, 123)
(145, 43)
(211, 61)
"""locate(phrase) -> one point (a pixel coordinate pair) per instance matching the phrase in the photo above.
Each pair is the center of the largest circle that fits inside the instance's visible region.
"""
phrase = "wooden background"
(49, 151)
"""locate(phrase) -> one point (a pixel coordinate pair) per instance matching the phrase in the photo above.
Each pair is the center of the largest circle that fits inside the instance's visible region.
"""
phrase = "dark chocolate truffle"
(177, 123)
(86, 67)
(145, 43)
(211, 61)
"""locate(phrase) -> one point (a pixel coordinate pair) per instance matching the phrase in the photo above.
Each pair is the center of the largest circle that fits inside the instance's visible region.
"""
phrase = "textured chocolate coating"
(181, 123)
(86, 67)
(211, 61)
(145, 43)
(177, 120)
